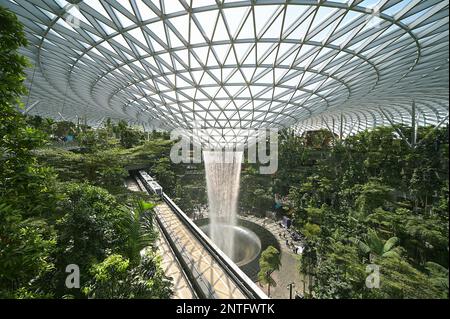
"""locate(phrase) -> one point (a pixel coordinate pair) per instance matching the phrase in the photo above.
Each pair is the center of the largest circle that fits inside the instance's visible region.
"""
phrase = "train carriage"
(150, 184)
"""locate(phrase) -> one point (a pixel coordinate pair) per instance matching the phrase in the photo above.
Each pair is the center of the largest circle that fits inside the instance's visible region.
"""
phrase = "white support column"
(413, 125)
(445, 119)
(32, 106)
(396, 129)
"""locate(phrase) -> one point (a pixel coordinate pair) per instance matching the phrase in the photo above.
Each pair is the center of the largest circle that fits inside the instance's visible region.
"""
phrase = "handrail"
(193, 285)
(241, 280)
(248, 287)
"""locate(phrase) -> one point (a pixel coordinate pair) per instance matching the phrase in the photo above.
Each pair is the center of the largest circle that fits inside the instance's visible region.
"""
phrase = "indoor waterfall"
(223, 170)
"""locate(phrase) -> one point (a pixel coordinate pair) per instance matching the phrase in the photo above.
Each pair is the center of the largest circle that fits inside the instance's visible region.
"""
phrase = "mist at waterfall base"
(223, 171)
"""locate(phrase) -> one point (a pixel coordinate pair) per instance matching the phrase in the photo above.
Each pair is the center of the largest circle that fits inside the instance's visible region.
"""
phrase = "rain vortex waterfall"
(223, 171)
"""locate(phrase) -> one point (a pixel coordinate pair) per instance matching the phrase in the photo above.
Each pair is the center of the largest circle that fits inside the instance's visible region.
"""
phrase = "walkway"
(190, 255)
(207, 273)
(288, 272)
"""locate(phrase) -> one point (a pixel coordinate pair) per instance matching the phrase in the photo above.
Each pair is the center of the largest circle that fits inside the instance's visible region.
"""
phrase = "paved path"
(181, 286)
(288, 272)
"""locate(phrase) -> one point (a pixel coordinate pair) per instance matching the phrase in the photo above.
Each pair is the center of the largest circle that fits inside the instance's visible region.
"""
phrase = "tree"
(25, 248)
(12, 64)
(27, 193)
(128, 136)
(164, 174)
(269, 262)
(255, 192)
(318, 139)
(115, 278)
(131, 137)
(110, 278)
(46, 225)
(92, 224)
(373, 195)
(307, 265)
(262, 201)
(374, 247)
(63, 128)
(340, 274)
(17, 169)
(184, 198)
(374, 187)
(427, 238)
(400, 280)
(438, 277)
(96, 140)
(142, 233)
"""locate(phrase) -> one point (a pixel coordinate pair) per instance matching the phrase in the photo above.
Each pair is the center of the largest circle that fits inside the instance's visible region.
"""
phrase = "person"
(298, 295)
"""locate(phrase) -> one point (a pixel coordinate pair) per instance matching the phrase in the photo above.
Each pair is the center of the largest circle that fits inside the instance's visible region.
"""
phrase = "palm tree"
(142, 232)
(269, 262)
(374, 247)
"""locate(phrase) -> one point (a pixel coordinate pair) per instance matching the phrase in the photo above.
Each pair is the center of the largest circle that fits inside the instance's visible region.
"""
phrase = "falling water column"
(223, 170)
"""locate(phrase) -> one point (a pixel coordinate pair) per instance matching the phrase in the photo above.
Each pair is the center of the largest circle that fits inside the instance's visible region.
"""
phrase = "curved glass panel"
(232, 65)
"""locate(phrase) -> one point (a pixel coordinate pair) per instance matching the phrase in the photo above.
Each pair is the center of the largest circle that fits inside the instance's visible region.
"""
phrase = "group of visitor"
(293, 240)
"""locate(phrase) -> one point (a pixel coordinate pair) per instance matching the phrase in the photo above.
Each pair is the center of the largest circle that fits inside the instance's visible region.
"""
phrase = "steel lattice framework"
(233, 65)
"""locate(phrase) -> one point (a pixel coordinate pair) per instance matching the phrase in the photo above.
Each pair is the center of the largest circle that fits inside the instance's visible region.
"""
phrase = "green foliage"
(374, 247)
(26, 190)
(128, 136)
(17, 169)
(191, 196)
(372, 198)
(90, 226)
(438, 277)
(12, 64)
(318, 139)
(25, 245)
(255, 192)
(45, 125)
(164, 174)
(269, 262)
(102, 168)
(141, 230)
(93, 141)
(340, 275)
(46, 225)
(93, 225)
(114, 278)
(400, 280)
(63, 128)
(311, 231)
(372, 195)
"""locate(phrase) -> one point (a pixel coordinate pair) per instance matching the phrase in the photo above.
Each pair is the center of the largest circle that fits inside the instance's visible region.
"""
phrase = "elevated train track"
(210, 272)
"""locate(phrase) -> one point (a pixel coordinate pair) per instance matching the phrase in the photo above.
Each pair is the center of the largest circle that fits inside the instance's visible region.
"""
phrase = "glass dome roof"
(232, 65)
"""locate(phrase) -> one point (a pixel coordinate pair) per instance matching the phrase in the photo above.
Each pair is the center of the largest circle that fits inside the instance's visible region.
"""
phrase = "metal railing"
(239, 278)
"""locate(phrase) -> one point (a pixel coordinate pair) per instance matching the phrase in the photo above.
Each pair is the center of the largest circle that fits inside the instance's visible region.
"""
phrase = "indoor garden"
(224, 149)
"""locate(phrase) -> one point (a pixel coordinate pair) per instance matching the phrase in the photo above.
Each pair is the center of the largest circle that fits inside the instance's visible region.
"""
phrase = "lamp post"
(290, 287)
